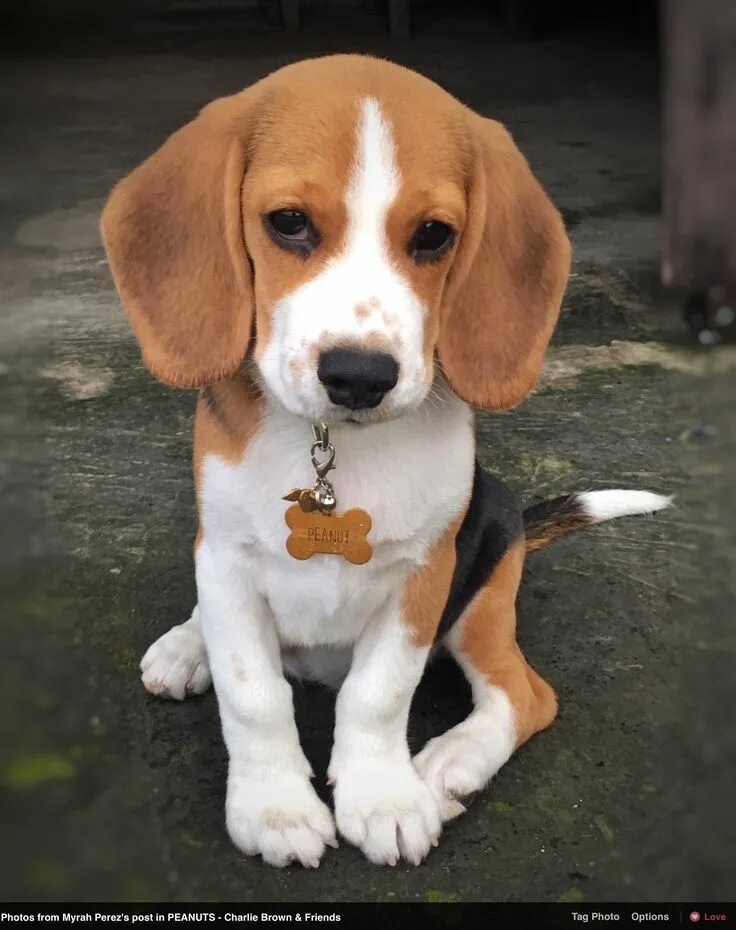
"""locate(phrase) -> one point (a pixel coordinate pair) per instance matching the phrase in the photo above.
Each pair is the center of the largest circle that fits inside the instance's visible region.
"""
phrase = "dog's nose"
(358, 380)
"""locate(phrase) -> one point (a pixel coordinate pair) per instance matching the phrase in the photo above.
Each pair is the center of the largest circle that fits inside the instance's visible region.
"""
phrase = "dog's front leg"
(381, 804)
(272, 808)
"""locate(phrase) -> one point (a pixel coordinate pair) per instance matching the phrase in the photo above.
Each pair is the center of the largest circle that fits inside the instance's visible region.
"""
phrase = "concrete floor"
(106, 793)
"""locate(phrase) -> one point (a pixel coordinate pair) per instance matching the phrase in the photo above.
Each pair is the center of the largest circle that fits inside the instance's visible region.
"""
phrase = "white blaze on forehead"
(322, 312)
(374, 182)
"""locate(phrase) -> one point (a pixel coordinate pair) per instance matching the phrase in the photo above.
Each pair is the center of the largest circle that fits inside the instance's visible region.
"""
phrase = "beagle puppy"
(344, 242)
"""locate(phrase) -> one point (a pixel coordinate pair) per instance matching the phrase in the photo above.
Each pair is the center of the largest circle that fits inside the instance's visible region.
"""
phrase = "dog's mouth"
(363, 418)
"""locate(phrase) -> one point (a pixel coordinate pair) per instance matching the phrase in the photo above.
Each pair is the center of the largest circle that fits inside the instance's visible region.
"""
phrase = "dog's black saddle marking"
(492, 523)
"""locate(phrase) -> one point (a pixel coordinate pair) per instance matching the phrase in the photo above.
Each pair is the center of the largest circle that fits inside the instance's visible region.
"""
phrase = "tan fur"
(507, 281)
(487, 640)
(296, 367)
(173, 234)
(228, 416)
(375, 341)
(427, 589)
(184, 229)
(543, 535)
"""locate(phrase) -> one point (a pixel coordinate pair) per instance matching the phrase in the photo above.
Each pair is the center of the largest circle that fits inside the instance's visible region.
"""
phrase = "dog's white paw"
(280, 818)
(176, 665)
(452, 766)
(384, 808)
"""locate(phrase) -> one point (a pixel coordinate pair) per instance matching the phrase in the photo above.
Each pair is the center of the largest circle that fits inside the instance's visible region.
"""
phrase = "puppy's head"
(345, 224)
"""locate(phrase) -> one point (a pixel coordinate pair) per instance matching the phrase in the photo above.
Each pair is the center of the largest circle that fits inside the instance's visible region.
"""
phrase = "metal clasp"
(321, 435)
(322, 442)
(322, 467)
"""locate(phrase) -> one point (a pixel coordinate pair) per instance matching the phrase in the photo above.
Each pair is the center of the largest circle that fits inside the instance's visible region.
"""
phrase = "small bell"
(325, 499)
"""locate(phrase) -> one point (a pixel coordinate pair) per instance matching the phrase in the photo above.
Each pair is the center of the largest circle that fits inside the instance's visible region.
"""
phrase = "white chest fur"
(413, 475)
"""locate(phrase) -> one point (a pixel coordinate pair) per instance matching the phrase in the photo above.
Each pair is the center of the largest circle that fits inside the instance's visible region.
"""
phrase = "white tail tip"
(607, 505)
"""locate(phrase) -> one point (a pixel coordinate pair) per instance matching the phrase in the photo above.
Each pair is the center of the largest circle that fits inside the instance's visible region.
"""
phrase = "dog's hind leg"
(511, 702)
(176, 665)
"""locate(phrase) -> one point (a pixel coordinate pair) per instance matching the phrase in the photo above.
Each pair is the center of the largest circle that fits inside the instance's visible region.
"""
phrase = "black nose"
(357, 380)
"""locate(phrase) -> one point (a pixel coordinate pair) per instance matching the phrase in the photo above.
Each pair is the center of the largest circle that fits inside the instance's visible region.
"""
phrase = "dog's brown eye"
(431, 240)
(292, 230)
(291, 224)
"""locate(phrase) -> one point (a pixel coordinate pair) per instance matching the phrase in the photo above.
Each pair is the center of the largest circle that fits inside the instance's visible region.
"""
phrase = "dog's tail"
(562, 515)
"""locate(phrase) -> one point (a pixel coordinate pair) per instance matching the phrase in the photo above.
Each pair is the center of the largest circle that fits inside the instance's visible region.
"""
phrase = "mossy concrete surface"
(107, 793)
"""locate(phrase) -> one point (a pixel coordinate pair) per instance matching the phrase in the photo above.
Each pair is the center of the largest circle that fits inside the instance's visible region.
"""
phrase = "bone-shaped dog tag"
(330, 534)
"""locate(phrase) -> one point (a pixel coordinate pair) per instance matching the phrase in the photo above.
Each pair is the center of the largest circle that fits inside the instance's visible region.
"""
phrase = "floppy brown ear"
(173, 232)
(505, 287)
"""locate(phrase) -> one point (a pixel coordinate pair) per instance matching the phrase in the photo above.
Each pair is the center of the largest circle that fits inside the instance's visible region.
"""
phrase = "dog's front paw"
(176, 665)
(280, 818)
(454, 766)
(384, 808)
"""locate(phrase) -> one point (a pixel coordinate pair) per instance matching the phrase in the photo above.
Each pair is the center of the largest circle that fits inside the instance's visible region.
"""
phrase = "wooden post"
(700, 152)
